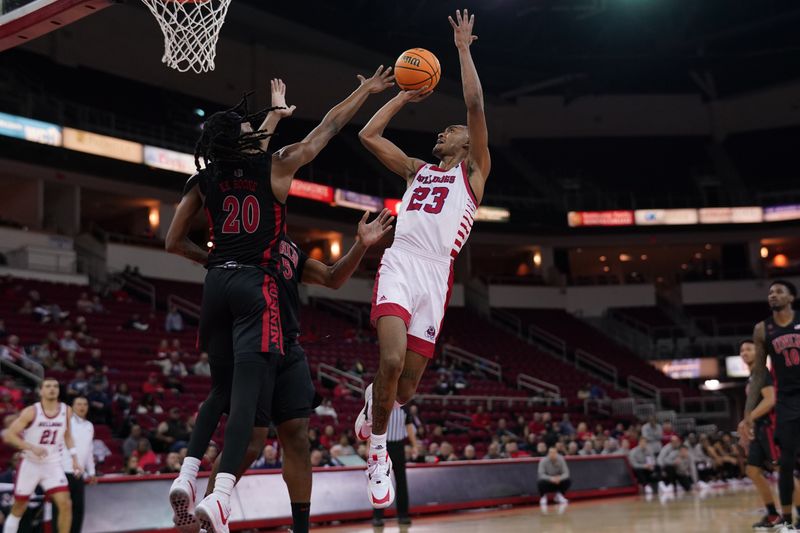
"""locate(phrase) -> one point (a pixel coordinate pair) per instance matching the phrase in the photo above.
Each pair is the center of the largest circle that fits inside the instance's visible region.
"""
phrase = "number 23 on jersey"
(420, 199)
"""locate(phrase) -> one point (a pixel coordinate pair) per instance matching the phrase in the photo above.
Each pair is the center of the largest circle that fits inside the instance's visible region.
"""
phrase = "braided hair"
(222, 140)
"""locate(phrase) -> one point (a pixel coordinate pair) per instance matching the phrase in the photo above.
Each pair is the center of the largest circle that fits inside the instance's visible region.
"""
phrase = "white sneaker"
(213, 514)
(648, 490)
(363, 425)
(379, 482)
(560, 498)
(182, 495)
(702, 485)
(543, 501)
(663, 487)
(787, 528)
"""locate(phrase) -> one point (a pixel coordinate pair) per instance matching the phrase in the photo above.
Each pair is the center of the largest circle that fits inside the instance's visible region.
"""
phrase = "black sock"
(771, 510)
(300, 514)
(787, 518)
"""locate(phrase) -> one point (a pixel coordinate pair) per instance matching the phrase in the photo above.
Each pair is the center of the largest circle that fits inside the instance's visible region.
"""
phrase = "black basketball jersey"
(769, 381)
(783, 347)
(245, 220)
(291, 262)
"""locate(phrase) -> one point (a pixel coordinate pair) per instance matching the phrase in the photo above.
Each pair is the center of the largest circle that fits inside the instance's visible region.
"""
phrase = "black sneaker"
(769, 523)
(404, 521)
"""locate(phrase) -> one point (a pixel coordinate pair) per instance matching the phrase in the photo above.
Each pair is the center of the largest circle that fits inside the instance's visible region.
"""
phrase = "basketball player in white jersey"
(413, 284)
(41, 432)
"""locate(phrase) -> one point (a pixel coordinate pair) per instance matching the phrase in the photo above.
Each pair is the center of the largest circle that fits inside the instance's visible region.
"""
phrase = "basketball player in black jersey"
(243, 190)
(292, 400)
(779, 338)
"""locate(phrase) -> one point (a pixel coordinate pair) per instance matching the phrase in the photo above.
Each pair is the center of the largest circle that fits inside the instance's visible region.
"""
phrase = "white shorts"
(415, 288)
(30, 474)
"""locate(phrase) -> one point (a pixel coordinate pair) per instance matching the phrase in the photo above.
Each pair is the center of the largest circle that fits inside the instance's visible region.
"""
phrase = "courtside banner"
(357, 200)
(486, 213)
(103, 145)
(140, 503)
(169, 160)
(666, 217)
(392, 204)
(311, 191)
(731, 215)
(778, 213)
(600, 218)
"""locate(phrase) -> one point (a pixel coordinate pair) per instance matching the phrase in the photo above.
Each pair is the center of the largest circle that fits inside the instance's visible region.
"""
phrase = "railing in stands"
(670, 397)
(706, 406)
(352, 382)
(642, 389)
(139, 286)
(525, 381)
(684, 425)
(507, 320)
(481, 363)
(705, 429)
(487, 401)
(548, 341)
(596, 366)
(34, 373)
(602, 407)
(186, 307)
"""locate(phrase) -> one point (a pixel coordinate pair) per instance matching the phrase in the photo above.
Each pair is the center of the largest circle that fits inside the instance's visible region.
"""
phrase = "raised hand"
(278, 92)
(379, 82)
(373, 232)
(462, 29)
(417, 95)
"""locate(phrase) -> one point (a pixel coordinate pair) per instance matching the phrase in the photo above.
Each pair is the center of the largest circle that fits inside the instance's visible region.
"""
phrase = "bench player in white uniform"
(41, 432)
(413, 284)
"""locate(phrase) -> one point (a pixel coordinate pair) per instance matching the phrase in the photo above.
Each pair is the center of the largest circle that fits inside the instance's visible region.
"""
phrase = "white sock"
(398, 404)
(224, 485)
(189, 468)
(12, 524)
(377, 445)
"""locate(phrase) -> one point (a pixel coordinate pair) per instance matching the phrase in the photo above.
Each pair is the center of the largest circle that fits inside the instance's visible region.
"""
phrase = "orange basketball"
(416, 68)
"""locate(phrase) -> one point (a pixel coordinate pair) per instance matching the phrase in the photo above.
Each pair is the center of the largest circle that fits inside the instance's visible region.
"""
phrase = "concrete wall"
(586, 301)
(11, 239)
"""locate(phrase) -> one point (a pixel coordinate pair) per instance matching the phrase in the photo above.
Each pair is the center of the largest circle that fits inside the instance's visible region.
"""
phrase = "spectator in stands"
(326, 409)
(619, 431)
(99, 404)
(541, 449)
(443, 386)
(553, 477)
(643, 463)
(68, 343)
(565, 427)
(667, 433)
(652, 431)
(84, 303)
(414, 417)
(135, 323)
(202, 367)
(173, 321)
(584, 393)
(132, 467)
(318, 459)
(596, 392)
(469, 453)
(730, 457)
(152, 385)
(587, 448)
(480, 419)
(513, 451)
(162, 352)
(49, 313)
(207, 462)
(503, 431)
(122, 399)
(26, 309)
(269, 459)
(342, 391)
(171, 433)
(446, 452)
(130, 444)
(358, 368)
(79, 386)
(172, 465)
(147, 405)
(175, 373)
(702, 461)
(493, 451)
(144, 452)
(572, 448)
(343, 447)
(328, 438)
(82, 334)
(97, 305)
(14, 392)
(313, 439)
(8, 476)
(15, 353)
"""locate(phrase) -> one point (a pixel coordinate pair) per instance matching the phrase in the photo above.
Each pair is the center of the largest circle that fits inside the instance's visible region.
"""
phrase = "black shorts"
(763, 452)
(240, 314)
(293, 395)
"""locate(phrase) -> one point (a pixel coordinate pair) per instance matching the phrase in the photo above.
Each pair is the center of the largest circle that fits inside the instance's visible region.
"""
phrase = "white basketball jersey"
(47, 433)
(437, 212)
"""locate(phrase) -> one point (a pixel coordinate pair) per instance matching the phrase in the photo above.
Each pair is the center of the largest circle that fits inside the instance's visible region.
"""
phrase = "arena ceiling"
(579, 47)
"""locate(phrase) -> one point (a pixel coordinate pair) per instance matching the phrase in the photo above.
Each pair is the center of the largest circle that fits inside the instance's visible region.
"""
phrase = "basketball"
(416, 68)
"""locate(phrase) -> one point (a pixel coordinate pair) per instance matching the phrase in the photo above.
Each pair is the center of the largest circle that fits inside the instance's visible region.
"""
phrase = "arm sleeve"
(768, 380)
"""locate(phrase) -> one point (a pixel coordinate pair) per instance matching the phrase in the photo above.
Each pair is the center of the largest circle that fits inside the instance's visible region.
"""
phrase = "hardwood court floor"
(718, 511)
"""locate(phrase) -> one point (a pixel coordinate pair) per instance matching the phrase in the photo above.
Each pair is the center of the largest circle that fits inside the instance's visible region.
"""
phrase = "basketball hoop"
(191, 29)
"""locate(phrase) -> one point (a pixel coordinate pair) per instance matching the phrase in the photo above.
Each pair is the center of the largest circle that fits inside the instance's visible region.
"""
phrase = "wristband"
(73, 452)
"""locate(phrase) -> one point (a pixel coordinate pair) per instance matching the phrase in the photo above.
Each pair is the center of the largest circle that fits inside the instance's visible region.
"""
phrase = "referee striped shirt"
(396, 431)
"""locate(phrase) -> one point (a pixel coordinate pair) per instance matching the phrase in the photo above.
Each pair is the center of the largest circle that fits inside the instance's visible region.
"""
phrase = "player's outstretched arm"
(289, 159)
(473, 93)
(335, 275)
(11, 435)
(386, 151)
(278, 97)
(177, 241)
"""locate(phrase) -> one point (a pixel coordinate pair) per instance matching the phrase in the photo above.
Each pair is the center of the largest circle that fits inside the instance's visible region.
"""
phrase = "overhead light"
(698, 255)
(537, 258)
(712, 384)
(199, 112)
(606, 269)
(780, 261)
(336, 248)
(708, 246)
(764, 252)
(685, 266)
(624, 258)
(154, 217)
(603, 259)
(644, 257)
(210, 244)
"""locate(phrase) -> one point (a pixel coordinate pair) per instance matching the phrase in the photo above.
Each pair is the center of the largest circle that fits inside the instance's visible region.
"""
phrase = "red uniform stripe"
(271, 331)
(460, 234)
(453, 254)
(210, 225)
(458, 243)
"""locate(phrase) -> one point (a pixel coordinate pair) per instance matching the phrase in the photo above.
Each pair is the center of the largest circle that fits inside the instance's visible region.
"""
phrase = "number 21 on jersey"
(49, 437)
(419, 199)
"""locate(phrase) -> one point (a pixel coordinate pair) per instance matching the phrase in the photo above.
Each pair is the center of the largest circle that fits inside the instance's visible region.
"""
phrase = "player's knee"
(294, 437)
(64, 505)
(405, 391)
(391, 365)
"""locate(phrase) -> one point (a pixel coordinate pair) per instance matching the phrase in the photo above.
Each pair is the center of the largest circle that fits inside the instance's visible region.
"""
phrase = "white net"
(191, 29)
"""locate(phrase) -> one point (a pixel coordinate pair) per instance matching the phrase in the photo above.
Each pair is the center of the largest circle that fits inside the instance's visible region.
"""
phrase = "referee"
(83, 435)
(400, 428)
